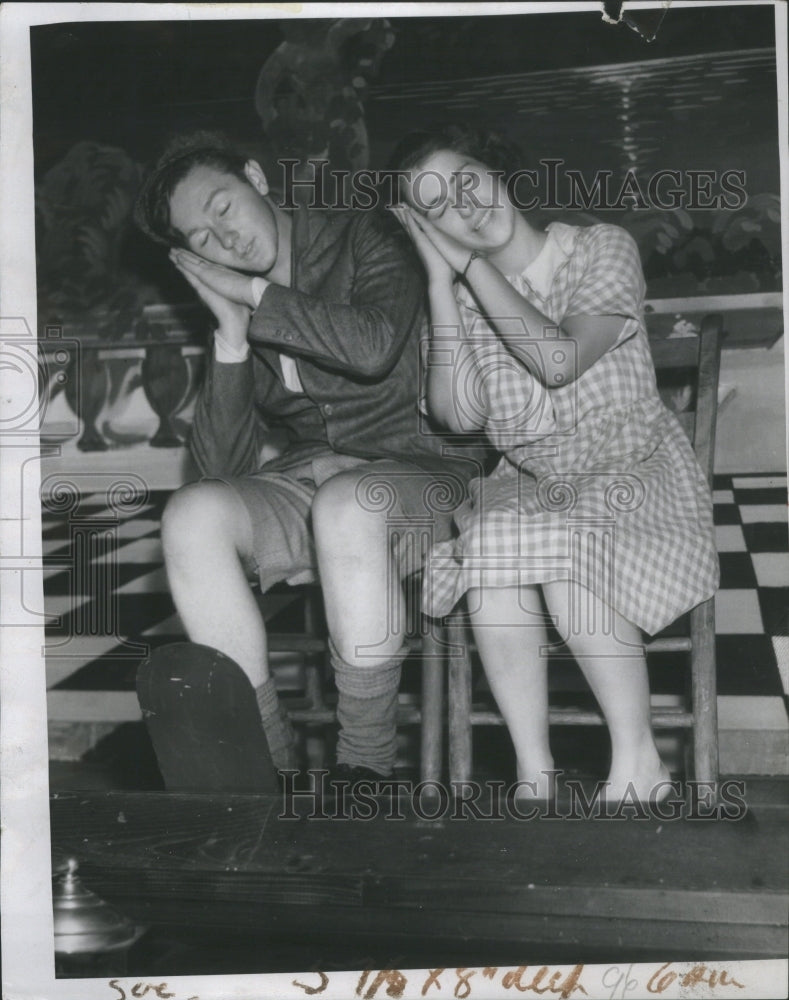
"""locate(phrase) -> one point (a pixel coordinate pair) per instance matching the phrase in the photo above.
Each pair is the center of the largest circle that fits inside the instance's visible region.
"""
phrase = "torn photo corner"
(645, 22)
(118, 877)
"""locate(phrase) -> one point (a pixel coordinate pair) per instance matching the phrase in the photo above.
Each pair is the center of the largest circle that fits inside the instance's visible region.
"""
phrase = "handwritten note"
(615, 982)
(143, 989)
(699, 975)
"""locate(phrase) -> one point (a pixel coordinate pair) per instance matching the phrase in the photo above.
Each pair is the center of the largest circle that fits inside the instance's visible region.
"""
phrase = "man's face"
(225, 219)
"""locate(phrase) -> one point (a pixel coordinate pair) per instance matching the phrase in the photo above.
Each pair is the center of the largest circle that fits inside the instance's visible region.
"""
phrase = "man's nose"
(228, 237)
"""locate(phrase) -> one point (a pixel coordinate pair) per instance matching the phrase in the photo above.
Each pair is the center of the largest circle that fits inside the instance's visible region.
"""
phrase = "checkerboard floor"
(107, 601)
(752, 605)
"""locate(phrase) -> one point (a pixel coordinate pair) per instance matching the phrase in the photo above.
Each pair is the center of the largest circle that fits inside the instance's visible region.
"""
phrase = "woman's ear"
(256, 177)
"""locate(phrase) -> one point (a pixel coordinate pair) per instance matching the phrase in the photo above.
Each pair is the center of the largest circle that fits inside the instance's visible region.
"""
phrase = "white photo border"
(25, 890)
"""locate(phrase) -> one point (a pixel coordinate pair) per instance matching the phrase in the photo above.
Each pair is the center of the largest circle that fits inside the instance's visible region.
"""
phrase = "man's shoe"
(354, 779)
(203, 719)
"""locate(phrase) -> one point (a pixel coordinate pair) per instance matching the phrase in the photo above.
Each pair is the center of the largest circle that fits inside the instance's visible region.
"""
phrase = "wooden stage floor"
(231, 883)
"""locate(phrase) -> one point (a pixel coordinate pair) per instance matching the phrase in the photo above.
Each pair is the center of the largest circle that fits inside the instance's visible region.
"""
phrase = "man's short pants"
(418, 503)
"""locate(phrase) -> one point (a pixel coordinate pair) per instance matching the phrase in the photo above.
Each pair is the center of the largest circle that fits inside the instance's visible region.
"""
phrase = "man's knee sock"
(277, 727)
(367, 711)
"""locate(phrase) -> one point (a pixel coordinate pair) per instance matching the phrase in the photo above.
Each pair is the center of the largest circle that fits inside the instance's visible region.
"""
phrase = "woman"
(597, 503)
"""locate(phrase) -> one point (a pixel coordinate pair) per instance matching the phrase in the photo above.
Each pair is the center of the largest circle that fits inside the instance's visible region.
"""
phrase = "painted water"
(703, 112)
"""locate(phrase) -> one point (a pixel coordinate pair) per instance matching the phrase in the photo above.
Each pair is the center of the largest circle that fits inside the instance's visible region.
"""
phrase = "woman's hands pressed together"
(442, 256)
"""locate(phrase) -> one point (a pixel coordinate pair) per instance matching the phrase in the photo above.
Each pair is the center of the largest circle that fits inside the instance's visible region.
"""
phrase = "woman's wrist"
(474, 255)
(440, 282)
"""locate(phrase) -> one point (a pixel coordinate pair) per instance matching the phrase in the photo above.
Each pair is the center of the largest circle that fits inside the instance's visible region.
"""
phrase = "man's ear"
(256, 177)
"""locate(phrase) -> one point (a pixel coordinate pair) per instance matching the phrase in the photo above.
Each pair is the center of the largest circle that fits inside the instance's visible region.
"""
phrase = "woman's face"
(463, 198)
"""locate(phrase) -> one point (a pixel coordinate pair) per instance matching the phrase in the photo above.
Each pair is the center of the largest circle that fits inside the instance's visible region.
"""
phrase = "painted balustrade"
(135, 388)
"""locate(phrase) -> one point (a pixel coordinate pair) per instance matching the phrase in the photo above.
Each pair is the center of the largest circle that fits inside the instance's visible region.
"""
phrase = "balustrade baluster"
(86, 392)
(165, 381)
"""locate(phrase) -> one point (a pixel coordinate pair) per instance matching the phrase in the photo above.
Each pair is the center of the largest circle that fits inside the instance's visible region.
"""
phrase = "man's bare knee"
(352, 503)
(199, 515)
(335, 505)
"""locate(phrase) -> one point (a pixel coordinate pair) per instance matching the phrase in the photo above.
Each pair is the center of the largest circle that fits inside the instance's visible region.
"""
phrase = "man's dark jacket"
(352, 318)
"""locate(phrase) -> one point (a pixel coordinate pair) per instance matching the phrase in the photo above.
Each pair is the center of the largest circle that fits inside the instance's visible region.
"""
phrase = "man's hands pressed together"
(230, 295)
(231, 285)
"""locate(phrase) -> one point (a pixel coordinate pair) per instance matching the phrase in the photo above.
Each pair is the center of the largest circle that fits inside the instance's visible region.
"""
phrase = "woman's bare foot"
(643, 779)
(536, 784)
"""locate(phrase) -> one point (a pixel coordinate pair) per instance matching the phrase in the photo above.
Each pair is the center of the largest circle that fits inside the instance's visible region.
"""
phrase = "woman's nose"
(465, 204)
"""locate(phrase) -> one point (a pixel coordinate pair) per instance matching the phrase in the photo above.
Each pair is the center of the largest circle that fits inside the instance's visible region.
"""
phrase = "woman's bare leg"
(613, 662)
(509, 630)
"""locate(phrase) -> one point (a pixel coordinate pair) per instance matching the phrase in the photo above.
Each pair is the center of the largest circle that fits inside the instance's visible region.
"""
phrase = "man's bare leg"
(207, 536)
(364, 608)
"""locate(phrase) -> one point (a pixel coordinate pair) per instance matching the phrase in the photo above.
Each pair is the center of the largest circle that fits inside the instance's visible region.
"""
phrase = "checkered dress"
(597, 482)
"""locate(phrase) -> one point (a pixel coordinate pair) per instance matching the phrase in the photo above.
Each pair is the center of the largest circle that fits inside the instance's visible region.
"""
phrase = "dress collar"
(555, 252)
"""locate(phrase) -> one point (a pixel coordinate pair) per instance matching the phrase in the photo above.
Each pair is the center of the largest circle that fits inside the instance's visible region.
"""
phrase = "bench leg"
(432, 707)
(459, 702)
(705, 706)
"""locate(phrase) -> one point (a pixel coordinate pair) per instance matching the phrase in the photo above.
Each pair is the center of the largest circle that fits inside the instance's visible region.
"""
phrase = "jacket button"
(327, 409)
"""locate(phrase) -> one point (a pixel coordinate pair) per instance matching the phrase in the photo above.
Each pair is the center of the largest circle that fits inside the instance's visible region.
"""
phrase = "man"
(319, 316)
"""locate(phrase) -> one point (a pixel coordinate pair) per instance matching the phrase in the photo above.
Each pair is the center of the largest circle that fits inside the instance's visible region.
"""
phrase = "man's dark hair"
(182, 154)
(490, 148)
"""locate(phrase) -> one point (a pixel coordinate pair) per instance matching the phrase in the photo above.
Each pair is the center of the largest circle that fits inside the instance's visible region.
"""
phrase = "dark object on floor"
(204, 722)
(91, 938)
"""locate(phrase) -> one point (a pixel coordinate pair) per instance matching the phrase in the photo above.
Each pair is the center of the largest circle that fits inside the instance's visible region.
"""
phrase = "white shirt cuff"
(259, 285)
(226, 354)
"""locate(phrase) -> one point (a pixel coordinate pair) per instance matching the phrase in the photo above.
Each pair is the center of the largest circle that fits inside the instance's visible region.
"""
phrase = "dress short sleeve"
(612, 279)
(514, 404)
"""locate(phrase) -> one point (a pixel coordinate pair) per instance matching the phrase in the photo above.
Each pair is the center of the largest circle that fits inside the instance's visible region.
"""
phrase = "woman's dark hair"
(490, 148)
(182, 154)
